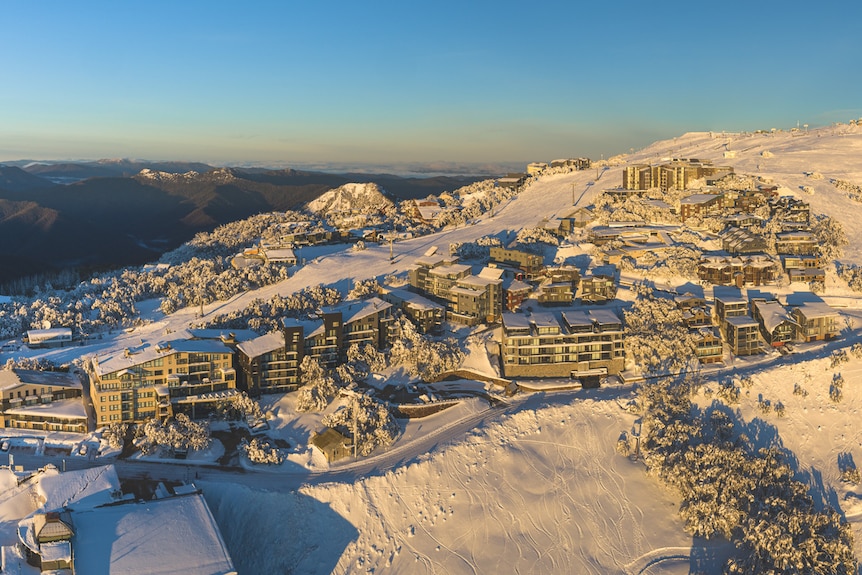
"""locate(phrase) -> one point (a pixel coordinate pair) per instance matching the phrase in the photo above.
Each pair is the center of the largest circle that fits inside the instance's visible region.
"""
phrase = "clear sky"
(406, 81)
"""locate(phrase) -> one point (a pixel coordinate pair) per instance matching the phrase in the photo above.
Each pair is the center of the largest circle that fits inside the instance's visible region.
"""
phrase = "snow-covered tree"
(369, 421)
(657, 338)
(318, 387)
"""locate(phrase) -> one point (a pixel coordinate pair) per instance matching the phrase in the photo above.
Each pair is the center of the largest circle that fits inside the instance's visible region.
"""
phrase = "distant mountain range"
(125, 212)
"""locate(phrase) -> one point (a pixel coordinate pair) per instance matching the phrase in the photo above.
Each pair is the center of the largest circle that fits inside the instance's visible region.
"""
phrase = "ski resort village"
(637, 365)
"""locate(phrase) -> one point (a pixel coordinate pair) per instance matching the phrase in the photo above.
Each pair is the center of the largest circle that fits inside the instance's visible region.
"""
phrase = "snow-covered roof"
(773, 314)
(354, 311)
(454, 269)
(170, 536)
(413, 300)
(698, 199)
(263, 344)
(280, 255)
(811, 310)
(63, 409)
(741, 321)
(479, 281)
(10, 378)
(84, 488)
(491, 273)
(119, 359)
(222, 334)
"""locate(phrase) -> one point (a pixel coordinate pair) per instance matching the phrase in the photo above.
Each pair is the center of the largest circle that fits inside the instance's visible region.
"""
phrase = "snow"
(537, 485)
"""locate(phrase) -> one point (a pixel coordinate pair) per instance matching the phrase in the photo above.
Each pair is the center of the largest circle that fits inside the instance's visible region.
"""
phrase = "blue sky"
(385, 82)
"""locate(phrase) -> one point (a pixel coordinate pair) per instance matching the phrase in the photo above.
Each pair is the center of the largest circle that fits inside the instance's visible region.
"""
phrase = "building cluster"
(516, 180)
(193, 374)
(675, 174)
(750, 326)
(513, 277)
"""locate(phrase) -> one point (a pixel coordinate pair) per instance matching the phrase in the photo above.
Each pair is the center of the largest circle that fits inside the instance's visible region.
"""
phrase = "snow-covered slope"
(352, 198)
(541, 489)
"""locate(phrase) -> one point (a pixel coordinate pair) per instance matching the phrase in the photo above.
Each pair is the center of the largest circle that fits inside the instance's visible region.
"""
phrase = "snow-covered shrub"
(799, 390)
(623, 446)
(358, 246)
(780, 410)
(115, 434)
(239, 406)
(836, 390)
(830, 237)
(838, 357)
(364, 288)
(178, 433)
(262, 451)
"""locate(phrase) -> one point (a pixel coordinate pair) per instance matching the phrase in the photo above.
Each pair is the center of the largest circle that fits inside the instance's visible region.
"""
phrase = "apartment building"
(816, 321)
(797, 242)
(708, 345)
(44, 400)
(137, 384)
(272, 363)
(469, 299)
(572, 343)
(530, 264)
(742, 334)
(428, 316)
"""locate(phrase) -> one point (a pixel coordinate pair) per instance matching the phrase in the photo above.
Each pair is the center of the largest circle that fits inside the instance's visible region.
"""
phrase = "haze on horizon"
(388, 82)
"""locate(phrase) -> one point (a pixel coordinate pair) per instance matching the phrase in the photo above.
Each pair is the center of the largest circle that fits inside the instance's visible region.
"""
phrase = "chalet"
(279, 255)
(572, 163)
(745, 221)
(597, 288)
(512, 181)
(562, 344)
(742, 241)
(789, 210)
(776, 325)
(695, 317)
(816, 321)
(708, 345)
(688, 301)
(515, 292)
(535, 168)
(577, 219)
